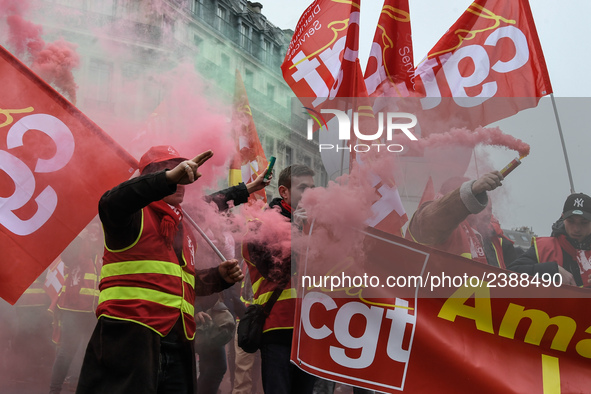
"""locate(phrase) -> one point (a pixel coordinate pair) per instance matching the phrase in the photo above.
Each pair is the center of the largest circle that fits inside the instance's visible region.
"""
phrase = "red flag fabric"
(54, 165)
(313, 59)
(250, 158)
(349, 81)
(389, 213)
(490, 54)
(320, 63)
(390, 67)
(413, 312)
(345, 80)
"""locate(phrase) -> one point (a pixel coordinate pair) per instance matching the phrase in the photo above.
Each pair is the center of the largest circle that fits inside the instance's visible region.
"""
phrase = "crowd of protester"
(154, 293)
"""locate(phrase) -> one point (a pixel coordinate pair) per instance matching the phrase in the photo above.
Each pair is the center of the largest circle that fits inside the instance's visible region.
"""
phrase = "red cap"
(158, 154)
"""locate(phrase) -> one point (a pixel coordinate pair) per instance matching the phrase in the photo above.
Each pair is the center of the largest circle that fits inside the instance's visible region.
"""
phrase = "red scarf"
(170, 217)
(567, 247)
(287, 207)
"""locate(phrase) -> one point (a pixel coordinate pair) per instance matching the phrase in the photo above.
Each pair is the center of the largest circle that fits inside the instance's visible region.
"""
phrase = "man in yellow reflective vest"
(278, 374)
(143, 339)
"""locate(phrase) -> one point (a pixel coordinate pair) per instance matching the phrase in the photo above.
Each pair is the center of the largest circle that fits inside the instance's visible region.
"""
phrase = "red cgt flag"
(490, 61)
(408, 310)
(250, 158)
(390, 67)
(54, 165)
(313, 59)
(389, 214)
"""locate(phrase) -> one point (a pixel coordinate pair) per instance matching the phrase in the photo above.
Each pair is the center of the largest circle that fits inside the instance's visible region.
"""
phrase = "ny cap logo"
(578, 202)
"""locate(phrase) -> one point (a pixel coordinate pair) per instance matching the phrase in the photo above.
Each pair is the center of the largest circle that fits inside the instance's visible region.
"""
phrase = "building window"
(197, 7)
(220, 21)
(308, 161)
(225, 62)
(269, 146)
(100, 86)
(102, 7)
(131, 71)
(248, 77)
(288, 156)
(168, 22)
(197, 41)
(268, 52)
(271, 91)
(244, 37)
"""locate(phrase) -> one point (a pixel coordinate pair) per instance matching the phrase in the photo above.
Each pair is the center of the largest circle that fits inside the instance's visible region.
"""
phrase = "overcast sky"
(533, 194)
(563, 31)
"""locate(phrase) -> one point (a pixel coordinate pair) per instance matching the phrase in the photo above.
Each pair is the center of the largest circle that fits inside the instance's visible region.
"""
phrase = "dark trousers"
(174, 375)
(125, 357)
(323, 386)
(280, 376)
(212, 367)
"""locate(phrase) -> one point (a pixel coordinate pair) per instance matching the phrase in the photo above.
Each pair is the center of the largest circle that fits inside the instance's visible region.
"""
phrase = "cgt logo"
(24, 178)
(389, 121)
(365, 342)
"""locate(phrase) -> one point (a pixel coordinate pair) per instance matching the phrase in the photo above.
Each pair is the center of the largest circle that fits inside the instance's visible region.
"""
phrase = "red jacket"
(443, 224)
(552, 248)
(466, 242)
(145, 283)
(80, 292)
(282, 313)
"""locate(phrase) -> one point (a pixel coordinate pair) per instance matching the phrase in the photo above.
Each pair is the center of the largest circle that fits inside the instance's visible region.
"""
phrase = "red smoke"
(272, 231)
(53, 62)
(468, 138)
(337, 213)
(24, 36)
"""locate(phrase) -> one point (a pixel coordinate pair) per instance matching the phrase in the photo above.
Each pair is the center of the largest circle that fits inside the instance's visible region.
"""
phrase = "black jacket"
(120, 213)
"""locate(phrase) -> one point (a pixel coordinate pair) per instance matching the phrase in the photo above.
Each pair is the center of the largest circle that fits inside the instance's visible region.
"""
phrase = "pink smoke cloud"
(55, 63)
(24, 36)
(338, 213)
(470, 138)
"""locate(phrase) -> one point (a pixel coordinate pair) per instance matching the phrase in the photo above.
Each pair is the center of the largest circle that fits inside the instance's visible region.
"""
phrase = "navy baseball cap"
(578, 204)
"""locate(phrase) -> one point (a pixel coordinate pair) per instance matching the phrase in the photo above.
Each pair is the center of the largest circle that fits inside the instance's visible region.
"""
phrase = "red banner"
(390, 67)
(54, 165)
(491, 53)
(313, 59)
(250, 158)
(418, 320)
